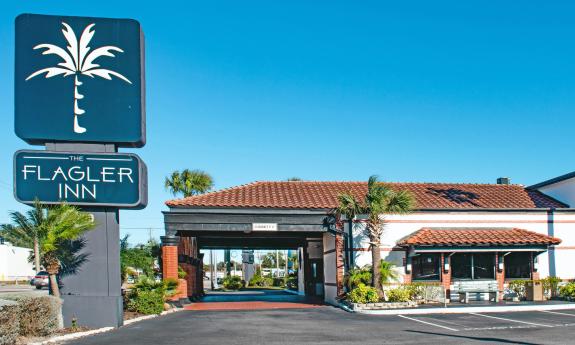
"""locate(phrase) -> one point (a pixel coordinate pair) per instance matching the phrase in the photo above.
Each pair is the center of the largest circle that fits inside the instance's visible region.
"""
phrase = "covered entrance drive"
(191, 229)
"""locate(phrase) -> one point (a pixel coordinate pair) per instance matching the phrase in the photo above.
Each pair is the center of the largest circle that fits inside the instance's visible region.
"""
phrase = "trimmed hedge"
(9, 325)
(363, 294)
(28, 315)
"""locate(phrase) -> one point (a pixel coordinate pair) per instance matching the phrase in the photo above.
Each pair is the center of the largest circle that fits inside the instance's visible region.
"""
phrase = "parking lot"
(495, 321)
(330, 325)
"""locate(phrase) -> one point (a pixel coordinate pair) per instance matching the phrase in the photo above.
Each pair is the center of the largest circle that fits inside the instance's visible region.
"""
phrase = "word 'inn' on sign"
(264, 227)
(80, 178)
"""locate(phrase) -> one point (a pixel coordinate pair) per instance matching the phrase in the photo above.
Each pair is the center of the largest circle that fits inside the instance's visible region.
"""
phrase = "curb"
(72, 336)
(465, 310)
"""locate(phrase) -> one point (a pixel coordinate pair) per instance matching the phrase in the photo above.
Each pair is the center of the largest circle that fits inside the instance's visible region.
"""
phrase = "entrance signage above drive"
(79, 79)
(80, 178)
(264, 226)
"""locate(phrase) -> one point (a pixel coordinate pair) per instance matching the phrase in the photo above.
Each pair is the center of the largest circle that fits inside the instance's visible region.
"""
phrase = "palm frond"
(106, 74)
(96, 53)
(51, 72)
(68, 63)
(72, 44)
(85, 39)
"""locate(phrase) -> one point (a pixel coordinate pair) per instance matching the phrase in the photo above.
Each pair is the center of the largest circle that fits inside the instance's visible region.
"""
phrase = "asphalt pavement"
(330, 325)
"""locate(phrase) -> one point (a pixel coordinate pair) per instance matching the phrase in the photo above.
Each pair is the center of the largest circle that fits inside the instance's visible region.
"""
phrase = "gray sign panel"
(87, 179)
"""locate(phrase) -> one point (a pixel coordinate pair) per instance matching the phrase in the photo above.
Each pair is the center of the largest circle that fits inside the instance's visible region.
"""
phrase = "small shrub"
(261, 281)
(399, 294)
(38, 315)
(292, 283)
(358, 276)
(363, 294)
(519, 287)
(568, 290)
(9, 325)
(278, 282)
(181, 273)
(147, 302)
(233, 283)
(551, 286)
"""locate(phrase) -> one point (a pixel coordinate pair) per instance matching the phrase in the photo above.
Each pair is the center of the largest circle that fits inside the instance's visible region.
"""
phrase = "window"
(425, 267)
(473, 266)
(518, 265)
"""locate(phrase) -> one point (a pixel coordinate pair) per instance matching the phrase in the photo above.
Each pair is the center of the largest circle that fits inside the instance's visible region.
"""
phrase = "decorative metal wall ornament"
(78, 60)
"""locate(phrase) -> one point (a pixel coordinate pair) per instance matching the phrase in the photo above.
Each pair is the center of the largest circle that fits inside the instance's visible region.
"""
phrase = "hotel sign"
(91, 179)
(79, 79)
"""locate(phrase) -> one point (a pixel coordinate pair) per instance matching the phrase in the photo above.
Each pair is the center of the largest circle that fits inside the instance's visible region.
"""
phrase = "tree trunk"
(54, 286)
(376, 264)
(36, 254)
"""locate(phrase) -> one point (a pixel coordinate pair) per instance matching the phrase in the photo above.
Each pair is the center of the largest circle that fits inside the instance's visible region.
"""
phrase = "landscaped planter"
(381, 305)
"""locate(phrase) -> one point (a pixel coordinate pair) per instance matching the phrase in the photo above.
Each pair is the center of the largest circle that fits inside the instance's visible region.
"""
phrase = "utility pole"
(212, 268)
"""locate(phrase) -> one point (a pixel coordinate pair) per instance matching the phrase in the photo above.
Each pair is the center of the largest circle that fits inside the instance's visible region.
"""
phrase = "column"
(500, 273)
(446, 277)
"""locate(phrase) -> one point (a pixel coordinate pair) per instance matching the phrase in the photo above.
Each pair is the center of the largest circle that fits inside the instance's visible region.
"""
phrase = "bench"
(492, 289)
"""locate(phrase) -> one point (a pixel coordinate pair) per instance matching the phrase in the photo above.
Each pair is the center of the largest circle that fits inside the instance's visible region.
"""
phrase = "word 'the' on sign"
(87, 179)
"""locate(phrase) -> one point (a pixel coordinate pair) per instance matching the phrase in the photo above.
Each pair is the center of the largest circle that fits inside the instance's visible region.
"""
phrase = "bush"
(292, 283)
(9, 325)
(363, 294)
(568, 290)
(147, 302)
(182, 274)
(233, 283)
(551, 286)
(260, 281)
(519, 287)
(38, 315)
(148, 295)
(399, 294)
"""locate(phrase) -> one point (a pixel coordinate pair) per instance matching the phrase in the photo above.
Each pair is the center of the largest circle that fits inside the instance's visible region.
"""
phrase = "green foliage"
(233, 283)
(64, 223)
(189, 182)
(260, 281)
(269, 260)
(400, 294)
(519, 287)
(357, 276)
(181, 273)
(551, 286)
(147, 302)
(363, 294)
(140, 257)
(292, 282)
(9, 325)
(148, 295)
(387, 272)
(568, 290)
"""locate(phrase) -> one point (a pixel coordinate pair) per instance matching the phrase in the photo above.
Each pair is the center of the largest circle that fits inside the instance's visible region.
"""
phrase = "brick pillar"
(445, 277)
(339, 263)
(170, 259)
(500, 275)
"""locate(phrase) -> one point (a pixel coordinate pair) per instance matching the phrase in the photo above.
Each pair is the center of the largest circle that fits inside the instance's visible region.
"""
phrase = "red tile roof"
(323, 195)
(475, 237)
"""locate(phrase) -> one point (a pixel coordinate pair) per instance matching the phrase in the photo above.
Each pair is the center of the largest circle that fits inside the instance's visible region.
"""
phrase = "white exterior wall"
(563, 191)
(397, 227)
(14, 263)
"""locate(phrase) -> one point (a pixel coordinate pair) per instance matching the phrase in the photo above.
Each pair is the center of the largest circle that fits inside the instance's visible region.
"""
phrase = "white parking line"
(558, 313)
(511, 320)
(428, 323)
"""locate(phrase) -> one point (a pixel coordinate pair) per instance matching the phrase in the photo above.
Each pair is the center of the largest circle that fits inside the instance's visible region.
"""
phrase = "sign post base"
(93, 295)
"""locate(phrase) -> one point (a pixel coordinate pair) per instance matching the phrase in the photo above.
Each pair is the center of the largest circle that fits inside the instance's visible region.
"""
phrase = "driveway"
(330, 325)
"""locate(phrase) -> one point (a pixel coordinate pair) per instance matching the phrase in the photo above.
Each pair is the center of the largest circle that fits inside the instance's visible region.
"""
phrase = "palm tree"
(26, 230)
(78, 60)
(379, 201)
(189, 182)
(64, 223)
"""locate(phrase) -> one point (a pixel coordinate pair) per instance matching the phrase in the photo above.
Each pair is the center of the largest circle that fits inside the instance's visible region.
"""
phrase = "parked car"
(40, 280)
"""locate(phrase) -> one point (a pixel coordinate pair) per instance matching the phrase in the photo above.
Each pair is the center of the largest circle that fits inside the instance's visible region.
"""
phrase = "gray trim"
(169, 240)
(553, 180)
(480, 249)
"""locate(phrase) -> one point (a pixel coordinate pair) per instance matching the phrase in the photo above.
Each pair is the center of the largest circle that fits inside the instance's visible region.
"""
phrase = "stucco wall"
(561, 225)
(14, 263)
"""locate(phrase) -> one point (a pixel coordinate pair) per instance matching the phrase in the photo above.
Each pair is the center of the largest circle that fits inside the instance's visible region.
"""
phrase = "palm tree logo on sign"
(78, 60)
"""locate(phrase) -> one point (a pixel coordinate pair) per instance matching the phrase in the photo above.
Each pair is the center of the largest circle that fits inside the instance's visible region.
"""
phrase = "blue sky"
(458, 91)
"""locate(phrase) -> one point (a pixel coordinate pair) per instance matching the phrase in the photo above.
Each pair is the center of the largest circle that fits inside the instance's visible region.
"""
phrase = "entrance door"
(314, 278)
